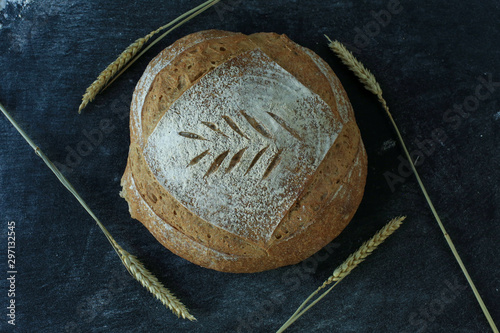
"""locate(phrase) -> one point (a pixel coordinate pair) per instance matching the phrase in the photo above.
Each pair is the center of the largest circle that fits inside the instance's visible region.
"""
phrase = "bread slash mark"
(216, 163)
(283, 124)
(256, 125)
(234, 127)
(256, 158)
(235, 160)
(213, 127)
(191, 135)
(274, 162)
(198, 158)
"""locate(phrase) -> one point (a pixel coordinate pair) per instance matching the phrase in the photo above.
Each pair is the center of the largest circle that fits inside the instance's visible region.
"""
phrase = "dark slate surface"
(429, 58)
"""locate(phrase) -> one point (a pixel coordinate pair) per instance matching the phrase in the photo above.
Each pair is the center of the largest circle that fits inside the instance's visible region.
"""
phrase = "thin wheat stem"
(123, 59)
(371, 84)
(131, 263)
(320, 297)
(346, 268)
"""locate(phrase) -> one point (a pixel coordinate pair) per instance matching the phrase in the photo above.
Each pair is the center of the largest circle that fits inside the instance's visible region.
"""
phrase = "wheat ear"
(364, 251)
(151, 283)
(371, 84)
(346, 267)
(133, 265)
(125, 57)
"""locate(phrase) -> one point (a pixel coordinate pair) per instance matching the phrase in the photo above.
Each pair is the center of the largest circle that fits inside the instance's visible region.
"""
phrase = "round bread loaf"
(244, 154)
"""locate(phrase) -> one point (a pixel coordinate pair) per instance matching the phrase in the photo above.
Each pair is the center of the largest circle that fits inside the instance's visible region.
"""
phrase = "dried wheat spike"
(150, 282)
(364, 251)
(371, 84)
(133, 265)
(347, 266)
(130, 52)
(112, 69)
(364, 75)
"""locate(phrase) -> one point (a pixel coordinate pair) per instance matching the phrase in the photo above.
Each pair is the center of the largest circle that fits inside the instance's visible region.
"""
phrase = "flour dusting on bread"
(246, 89)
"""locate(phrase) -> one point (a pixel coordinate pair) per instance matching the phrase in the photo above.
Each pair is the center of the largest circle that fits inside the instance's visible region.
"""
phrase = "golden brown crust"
(326, 205)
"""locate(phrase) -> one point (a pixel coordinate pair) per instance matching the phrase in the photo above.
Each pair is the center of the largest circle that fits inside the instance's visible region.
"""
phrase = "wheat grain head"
(133, 265)
(103, 78)
(151, 283)
(348, 59)
(371, 84)
(364, 251)
(345, 268)
(131, 51)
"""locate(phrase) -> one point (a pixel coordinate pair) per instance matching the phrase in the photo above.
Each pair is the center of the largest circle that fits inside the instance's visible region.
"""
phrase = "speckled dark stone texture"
(439, 69)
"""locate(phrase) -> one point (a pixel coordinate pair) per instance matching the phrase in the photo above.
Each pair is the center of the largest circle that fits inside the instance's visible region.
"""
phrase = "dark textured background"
(428, 58)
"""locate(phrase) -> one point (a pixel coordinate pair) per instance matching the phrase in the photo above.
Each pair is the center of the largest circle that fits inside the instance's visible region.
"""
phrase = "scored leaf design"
(248, 136)
(238, 156)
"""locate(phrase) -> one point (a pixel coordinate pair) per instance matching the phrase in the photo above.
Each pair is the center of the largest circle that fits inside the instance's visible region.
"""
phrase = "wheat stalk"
(103, 80)
(131, 263)
(371, 84)
(151, 283)
(364, 251)
(346, 267)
